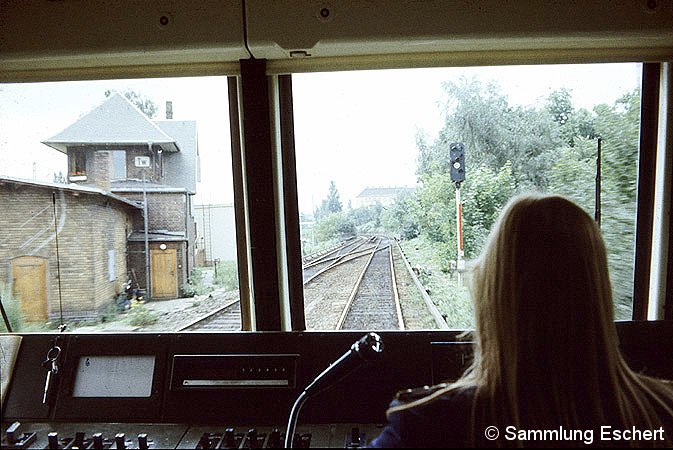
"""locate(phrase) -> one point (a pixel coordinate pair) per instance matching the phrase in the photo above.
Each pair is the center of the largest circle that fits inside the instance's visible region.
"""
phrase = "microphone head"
(369, 347)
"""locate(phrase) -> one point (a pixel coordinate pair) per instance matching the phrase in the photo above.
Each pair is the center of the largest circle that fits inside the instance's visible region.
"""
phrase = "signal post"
(457, 159)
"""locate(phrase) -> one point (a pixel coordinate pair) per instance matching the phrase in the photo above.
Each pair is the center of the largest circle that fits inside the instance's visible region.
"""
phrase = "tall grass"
(227, 275)
(13, 310)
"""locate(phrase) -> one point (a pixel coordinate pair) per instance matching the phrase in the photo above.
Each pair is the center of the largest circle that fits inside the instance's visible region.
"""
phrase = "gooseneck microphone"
(368, 348)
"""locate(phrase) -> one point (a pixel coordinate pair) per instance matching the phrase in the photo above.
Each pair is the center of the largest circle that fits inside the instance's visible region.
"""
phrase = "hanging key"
(52, 370)
(47, 384)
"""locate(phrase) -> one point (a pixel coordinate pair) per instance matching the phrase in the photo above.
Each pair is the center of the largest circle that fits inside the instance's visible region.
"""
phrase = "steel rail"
(340, 260)
(436, 315)
(351, 297)
(209, 315)
(396, 294)
(327, 257)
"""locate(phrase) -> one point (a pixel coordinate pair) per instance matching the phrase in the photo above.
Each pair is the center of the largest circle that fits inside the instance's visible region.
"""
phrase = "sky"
(33, 112)
(354, 128)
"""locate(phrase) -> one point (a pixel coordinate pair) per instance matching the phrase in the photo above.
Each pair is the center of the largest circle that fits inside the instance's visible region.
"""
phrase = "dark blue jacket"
(446, 423)
(443, 423)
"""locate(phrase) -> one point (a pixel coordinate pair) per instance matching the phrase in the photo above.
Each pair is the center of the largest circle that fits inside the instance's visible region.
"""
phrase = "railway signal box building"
(101, 209)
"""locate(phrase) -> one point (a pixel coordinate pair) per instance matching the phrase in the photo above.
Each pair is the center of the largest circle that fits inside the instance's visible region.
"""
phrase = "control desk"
(233, 390)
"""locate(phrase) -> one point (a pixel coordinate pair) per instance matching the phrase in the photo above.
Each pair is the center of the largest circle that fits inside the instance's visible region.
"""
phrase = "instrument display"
(114, 376)
(233, 371)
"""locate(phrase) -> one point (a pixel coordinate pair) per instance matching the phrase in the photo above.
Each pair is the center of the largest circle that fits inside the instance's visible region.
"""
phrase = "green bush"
(139, 315)
(196, 277)
(12, 309)
(227, 275)
(452, 301)
(195, 285)
(189, 290)
(335, 226)
(113, 310)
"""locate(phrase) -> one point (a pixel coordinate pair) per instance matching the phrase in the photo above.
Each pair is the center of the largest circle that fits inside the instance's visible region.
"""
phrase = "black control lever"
(14, 439)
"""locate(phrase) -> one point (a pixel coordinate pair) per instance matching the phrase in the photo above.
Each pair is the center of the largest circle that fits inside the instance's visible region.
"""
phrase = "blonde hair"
(546, 352)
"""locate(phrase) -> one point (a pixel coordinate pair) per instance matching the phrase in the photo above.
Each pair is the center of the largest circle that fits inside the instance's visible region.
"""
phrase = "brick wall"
(109, 231)
(89, 226)
(166, 211)
(99, 162)
(136, 173)
(98, 167)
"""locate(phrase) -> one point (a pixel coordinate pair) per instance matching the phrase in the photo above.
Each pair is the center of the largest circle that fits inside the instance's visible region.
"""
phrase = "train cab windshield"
(119, 196)
(295, 224)
(118, 201)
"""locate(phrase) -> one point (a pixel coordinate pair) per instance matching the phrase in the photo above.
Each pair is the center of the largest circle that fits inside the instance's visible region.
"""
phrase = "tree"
(144, 104)
(619, 127)
(483, 196)
(400, 218)
(572, 124)
(551, 147)
(331, 204)
(480, 117)
(367, 219)
(573, 173)
(559, 104)
(335, 226)
(494, 133)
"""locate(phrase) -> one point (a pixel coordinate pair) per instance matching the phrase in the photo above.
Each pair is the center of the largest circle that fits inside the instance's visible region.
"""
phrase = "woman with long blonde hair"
(547, 369)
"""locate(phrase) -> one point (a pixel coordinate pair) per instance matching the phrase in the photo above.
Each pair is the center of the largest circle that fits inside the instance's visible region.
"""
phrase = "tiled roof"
(75, 188)
(115, 121)
(181, 168)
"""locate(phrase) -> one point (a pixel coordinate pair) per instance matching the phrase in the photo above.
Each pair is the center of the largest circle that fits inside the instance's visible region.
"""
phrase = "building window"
(112, 275)
(77, 163)
(118, 164)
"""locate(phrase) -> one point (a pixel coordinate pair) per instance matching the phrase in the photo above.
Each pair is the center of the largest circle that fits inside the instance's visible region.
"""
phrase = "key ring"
(53, 353)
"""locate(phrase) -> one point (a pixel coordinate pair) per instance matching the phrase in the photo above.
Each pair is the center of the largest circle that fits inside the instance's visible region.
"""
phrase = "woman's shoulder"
(442, 393)
(433, 416)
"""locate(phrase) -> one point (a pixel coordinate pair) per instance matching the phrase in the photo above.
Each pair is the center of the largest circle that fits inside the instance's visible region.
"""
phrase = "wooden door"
(164, 273)
(29, 286)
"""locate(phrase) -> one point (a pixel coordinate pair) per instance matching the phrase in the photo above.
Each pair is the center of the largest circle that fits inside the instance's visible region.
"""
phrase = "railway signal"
(457, 161)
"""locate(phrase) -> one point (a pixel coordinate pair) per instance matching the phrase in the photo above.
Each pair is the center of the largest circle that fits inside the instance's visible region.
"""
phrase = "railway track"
(373, 267)
(348, 250)
(225, 318)
(374, 301)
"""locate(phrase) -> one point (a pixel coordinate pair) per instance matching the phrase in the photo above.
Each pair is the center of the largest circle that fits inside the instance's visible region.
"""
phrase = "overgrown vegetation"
(140, 316)
(16, 317)
(225, 274)
(195, 285)
(12, 310)
(451, 299)
(547, 147)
